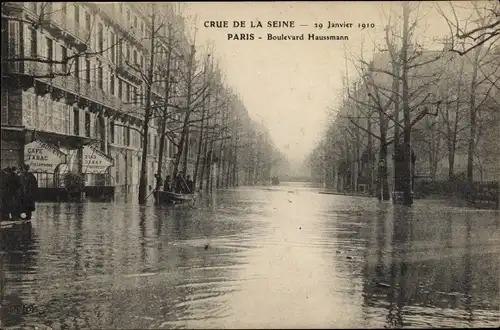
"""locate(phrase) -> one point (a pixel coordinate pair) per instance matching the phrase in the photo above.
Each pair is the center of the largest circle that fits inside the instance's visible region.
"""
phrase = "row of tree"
(199, 114)
(183, 97)
(418, 104)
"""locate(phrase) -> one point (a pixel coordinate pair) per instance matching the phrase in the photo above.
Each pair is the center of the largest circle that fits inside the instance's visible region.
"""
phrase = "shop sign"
(43, 157)
(94, 161)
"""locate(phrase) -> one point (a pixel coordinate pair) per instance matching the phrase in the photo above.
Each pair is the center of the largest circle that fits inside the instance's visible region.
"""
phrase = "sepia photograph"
(250, 165)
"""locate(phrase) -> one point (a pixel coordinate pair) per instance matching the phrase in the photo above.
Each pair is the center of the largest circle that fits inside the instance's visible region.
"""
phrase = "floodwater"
(268, 257)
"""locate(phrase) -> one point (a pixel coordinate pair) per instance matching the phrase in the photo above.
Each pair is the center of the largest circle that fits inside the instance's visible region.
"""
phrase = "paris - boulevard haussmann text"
(170, 165)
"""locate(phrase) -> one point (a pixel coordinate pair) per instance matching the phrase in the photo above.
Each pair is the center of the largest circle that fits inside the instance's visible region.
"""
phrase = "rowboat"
(11, 224)
(168, 197)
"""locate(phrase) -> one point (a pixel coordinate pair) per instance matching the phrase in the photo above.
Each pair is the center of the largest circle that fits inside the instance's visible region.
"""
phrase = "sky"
(290, 85)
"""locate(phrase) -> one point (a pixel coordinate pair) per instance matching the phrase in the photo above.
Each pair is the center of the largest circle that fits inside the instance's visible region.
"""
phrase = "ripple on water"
(260, 258)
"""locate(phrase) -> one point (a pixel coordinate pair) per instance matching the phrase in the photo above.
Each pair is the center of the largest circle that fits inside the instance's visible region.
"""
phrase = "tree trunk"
(228, 170)
(185, 128)
(369, 169)
(235, 166)
(204, 163)
(473, 124)
(219, 165)
(200, 144)
(163, 118)
(187, 145)
(143, 179)
(407, 153)
(451, 159)
(210, 164)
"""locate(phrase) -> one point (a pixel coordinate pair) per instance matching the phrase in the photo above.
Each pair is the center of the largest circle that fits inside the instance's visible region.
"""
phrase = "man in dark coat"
(166, 184)
(190, 185)
(13, 194)
(4, 178)
(29, 188)
(179, 187)
(158, 182)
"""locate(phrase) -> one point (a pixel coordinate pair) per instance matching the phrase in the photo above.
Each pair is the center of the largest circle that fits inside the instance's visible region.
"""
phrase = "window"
(87, 124)
(5, 106)
(77, 14)
(129, 92)
(170, 149)
(135, 96)
(112, 131)
(29, 112)
(100, 75)
(136, 62)
(64, 56)
(33, 43)
(50, 50)
(119, 52)
(128, 52)
(135, 22)
(76, 121)
(87, 70)
(77, 68)
(112, 83)
(128, 16)
(100, 38)
(88, 21)
(127, 136)
(47, 10)
(112, 40)
(33, 6)
(120, 88)
(142, 28)
(64, 10)
(142, 62)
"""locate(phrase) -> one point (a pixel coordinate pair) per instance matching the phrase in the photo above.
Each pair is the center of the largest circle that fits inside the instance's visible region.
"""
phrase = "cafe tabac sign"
(94, 161)
(43, 157)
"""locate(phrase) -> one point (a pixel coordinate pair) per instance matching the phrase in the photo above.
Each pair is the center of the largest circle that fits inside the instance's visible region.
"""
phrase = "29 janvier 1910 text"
(285, 24)
(247, 35)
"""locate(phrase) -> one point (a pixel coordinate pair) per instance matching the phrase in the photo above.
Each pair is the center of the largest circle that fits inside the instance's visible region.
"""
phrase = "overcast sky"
(291, 84)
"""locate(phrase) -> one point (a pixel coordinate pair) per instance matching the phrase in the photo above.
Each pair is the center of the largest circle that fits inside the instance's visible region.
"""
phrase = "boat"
(168, 197)
(13, 224)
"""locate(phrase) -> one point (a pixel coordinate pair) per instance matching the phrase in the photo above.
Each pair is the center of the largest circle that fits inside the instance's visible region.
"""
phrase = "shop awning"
(95, 161)
(43, 157)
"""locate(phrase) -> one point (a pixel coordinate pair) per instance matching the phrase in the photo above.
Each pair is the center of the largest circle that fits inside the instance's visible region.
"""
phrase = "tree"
(418, 72)
(485, 30)
(152, 80)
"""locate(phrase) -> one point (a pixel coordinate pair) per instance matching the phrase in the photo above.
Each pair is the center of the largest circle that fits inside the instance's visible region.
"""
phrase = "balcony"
(62, 26)
(125, 71)
(117, 18)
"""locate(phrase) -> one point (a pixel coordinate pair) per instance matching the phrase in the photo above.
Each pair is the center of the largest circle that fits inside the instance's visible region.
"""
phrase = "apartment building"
(83, 114)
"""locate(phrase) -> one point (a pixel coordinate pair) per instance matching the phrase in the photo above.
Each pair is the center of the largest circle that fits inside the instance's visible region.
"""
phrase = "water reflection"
(258, 257)
(17, 254)
(443, 267)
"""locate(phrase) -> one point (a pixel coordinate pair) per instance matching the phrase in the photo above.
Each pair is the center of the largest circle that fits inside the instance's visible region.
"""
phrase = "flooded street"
(277, 257)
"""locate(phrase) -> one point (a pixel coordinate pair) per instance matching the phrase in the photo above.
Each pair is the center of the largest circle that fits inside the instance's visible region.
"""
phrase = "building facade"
(70, 99)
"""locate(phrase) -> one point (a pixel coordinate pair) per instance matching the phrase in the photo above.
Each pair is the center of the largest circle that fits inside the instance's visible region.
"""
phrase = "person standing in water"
(29, 187)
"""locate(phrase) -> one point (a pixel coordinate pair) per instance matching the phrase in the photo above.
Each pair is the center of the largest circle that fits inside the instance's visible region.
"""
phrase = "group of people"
(181, 184)
(18, 189)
